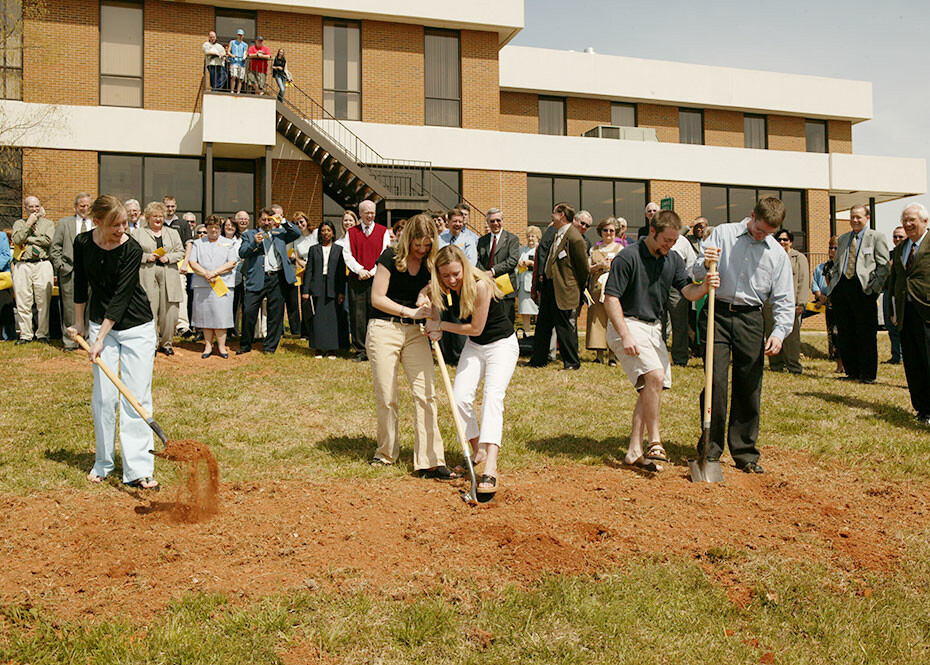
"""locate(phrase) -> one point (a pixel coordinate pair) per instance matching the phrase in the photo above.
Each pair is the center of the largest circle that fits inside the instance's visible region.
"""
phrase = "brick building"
(416, 105)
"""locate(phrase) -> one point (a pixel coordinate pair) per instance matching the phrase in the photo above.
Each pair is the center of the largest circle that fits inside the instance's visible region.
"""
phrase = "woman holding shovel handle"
(122, 334)
(490, 352)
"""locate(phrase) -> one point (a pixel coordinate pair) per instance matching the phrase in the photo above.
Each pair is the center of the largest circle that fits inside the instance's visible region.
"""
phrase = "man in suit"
(267, 273)
(62, 255)
(564, 274)
(909, 283)
(857, 278)
(789, 358)
(498, 254)
(897, 237)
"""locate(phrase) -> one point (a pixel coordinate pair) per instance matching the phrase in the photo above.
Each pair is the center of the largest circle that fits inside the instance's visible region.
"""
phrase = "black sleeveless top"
(497, 326)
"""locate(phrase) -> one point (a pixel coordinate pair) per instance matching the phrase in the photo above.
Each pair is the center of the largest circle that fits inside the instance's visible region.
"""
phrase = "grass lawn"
(290, 417)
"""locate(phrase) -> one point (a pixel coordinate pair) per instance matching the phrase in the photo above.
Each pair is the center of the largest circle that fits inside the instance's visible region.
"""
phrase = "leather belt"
(739, 308)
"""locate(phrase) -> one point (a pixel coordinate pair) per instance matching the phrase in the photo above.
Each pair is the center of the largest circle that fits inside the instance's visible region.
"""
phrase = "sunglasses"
(583, 225)
(201, 233)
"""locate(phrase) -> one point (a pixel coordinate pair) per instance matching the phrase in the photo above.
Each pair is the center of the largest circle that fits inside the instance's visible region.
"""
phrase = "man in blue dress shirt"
(754, 270)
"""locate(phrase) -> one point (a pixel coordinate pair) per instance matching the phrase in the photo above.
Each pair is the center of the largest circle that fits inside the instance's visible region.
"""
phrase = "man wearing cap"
(258, 56)
(238, 49)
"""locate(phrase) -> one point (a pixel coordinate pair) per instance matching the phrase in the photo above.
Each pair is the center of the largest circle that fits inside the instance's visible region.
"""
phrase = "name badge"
(562, 254)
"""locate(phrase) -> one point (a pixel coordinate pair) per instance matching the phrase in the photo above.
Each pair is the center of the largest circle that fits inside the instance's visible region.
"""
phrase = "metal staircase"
(353, 171)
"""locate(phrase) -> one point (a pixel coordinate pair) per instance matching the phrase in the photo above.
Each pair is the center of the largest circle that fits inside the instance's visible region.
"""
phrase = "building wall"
(519, 112)
(663, 119)
(787, 133)
(818, 220)
(480, 80)
(301, 37)
(173, 63)
(583, 114)
(55, 176)
(687, 197)
(60, 60)
(839, 136)
(724, 128)
(297, 185)
(392, 73)
(497, 189)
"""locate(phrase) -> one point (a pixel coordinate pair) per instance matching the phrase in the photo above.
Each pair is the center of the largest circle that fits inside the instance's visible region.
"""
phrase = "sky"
(883, 42)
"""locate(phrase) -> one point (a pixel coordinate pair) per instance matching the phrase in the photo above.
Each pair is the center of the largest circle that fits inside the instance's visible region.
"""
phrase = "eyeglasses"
(583, 225)
(201, 233)
(614, 231)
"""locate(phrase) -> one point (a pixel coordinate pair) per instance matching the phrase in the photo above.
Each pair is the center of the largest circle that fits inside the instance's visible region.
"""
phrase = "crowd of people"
(383, 293)
(239, 67)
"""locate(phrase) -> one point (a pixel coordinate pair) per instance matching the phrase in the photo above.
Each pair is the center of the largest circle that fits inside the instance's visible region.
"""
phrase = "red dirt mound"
(112, 553)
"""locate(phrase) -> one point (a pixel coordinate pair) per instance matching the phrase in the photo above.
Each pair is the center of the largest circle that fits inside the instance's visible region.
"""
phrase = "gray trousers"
(789, 358)
(678, 307)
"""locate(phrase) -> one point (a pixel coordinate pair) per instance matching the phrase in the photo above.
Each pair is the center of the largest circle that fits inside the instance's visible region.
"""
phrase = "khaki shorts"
(257, 79)
(653, 353)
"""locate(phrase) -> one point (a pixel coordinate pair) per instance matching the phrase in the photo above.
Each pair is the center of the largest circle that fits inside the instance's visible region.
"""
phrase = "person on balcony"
(258, 56)
(215, 56)
(237, 51)
(280, 73)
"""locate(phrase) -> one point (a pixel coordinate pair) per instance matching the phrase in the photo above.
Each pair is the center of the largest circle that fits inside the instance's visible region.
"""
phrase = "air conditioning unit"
(625, 133)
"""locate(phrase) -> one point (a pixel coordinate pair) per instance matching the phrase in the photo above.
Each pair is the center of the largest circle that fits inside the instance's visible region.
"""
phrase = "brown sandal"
(656, 452)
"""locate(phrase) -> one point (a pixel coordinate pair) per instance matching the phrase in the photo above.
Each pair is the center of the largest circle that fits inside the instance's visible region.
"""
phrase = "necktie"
(851, 261)
(910, 255)
(493, 251)
(85, 225)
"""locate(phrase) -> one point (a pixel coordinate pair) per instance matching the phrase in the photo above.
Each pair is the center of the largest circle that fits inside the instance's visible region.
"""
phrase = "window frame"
(358, 26)
(780, 191)
(232, 13)
(765, 130)
(552, 98)
(700, 114)
(426, 98)
(631, 105)
(142, 196)
(826, 136)
(100, 75)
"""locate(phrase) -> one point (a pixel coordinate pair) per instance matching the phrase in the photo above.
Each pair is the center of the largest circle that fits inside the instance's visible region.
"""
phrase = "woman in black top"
(122, 334)
(279, 72)
(490, 352)
(399, 299)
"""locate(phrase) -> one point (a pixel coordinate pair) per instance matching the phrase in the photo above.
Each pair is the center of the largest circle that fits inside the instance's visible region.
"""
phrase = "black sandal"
(377, 461)
(489, 480)
(439, 473)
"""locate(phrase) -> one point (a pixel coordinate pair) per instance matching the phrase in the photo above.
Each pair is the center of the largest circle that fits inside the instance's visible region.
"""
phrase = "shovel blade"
(705, 471)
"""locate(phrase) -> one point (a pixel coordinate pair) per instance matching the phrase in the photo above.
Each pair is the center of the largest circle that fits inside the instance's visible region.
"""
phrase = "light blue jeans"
(131, 354)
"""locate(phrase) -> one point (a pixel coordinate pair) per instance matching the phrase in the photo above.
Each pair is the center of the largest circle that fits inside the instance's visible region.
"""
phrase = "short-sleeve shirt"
(259, 65)
(403, 287)
(642, 281)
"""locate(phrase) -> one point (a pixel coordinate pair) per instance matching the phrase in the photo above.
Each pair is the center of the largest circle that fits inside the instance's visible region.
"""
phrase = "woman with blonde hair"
(602, 254)
(399, 302)
(490, 352)
(161, 251)
(121, 333)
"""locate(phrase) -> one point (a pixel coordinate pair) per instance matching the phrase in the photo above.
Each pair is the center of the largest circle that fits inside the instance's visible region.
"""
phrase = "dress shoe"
(922, 418)
(206, 354)
(69, 348)
(893, 361)
(168, 351)
(21, 341)
(752, 467)
(43, 340)
(867, 381)
(570, 368)
(360, 358)
(241, 351)
(224, 356)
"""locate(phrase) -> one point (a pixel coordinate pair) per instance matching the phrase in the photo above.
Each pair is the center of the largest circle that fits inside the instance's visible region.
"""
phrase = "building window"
(599, 196)
(755, 132)
(816, 135)
(152, 178)
(11, 49)
(120, 53)
(342, 70)
(721, 204)
(11, 185)
(443, 78)
(552, 116)
(233, 186)
(691, 126)
(623, 115)
(226, 22)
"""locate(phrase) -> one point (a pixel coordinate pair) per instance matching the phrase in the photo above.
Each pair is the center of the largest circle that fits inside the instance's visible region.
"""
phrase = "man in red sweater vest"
(366, 242)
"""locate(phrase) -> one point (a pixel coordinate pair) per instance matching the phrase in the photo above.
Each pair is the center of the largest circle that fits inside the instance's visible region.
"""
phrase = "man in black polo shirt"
(635, 295)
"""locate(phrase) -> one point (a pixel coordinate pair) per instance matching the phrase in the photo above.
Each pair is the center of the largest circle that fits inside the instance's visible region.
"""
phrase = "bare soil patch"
(106, 552)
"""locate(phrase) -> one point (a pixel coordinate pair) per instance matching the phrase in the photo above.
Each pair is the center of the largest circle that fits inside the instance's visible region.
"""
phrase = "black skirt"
(330, 327)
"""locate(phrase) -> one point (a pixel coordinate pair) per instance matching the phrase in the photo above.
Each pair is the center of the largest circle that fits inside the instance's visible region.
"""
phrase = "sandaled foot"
(147, 483)
(656, 452)
(94, 478)
(438, 473)
(643, 464)
(488, 484)
(378, 462)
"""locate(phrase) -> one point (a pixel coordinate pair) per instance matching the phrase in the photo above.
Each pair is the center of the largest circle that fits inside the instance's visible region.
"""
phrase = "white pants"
(494, 363)
(131, 354)
(184, 322)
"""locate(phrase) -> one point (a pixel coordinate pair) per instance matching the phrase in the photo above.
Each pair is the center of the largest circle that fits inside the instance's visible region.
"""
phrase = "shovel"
(471, 497)
(702, 470)
(124, 391)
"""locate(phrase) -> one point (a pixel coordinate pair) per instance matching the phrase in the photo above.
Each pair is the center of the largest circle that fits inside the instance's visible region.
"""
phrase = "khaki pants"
(387, 344)
(32, 283)
(164, 311)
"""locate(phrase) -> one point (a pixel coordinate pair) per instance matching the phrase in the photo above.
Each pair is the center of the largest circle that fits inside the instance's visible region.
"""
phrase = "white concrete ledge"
(239, 119)
(553, 72)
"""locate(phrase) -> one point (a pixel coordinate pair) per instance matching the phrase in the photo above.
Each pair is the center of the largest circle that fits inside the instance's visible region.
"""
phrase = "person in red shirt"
(258, 57)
